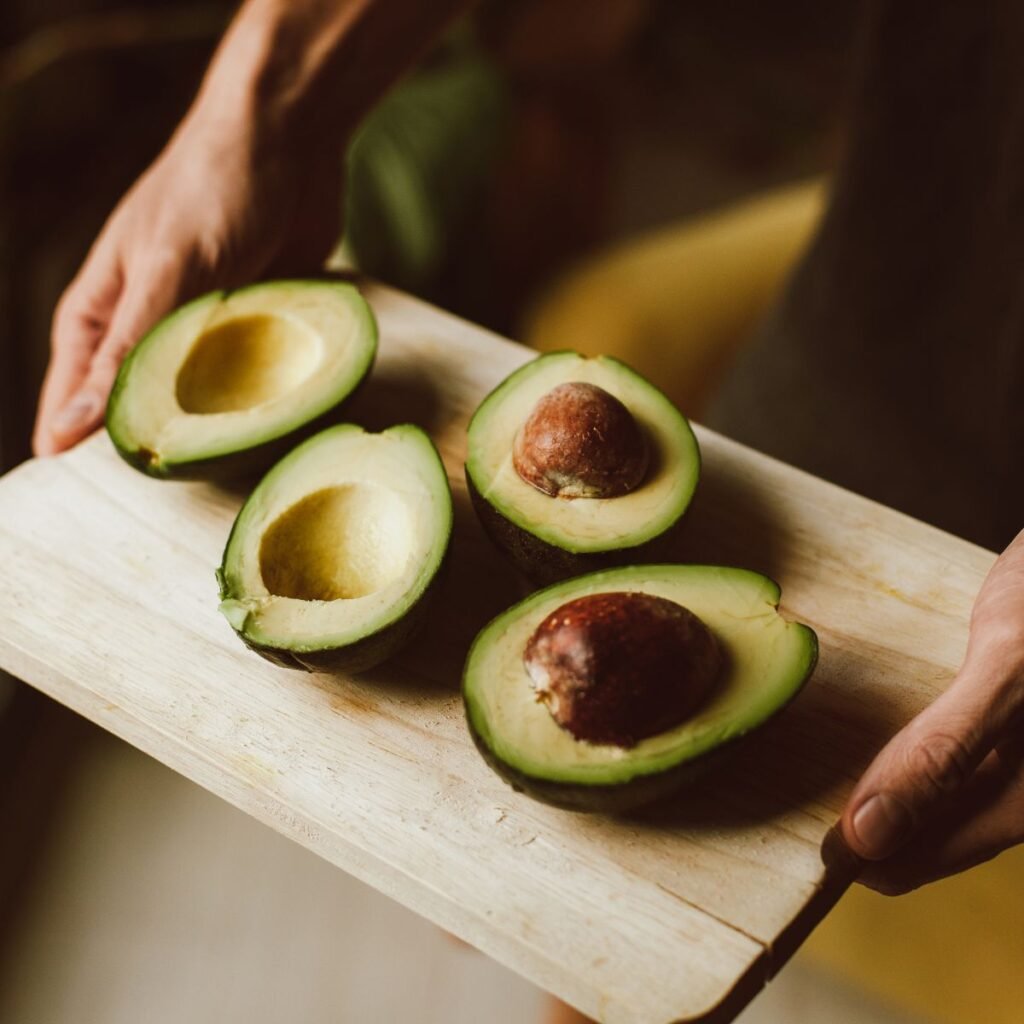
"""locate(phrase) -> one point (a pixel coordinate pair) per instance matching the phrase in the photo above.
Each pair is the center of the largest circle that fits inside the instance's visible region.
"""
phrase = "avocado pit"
(618, 667)
(580, 441)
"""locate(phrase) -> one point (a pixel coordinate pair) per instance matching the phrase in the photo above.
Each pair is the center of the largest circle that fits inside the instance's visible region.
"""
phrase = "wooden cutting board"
(109, 604)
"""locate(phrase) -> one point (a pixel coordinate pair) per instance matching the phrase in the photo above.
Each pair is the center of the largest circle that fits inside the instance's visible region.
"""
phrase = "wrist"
(265, 87)
(299, 72)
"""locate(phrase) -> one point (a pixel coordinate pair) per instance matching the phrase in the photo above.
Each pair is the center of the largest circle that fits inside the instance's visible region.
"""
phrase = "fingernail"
(881, 824)
(79, 412)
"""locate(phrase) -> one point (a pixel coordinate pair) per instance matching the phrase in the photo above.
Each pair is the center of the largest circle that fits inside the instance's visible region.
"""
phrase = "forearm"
(291, 69)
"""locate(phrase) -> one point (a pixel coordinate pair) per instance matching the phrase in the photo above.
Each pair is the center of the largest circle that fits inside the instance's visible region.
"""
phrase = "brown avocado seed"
(616, 668)
(580, 442)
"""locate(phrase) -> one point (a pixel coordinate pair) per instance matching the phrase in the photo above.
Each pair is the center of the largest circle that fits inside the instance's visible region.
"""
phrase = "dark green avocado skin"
(543, 563)
(360, 656)
(618, 799)
(241, 464)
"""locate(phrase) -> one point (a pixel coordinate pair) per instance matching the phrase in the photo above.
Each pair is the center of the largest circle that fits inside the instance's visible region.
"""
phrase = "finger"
(983, 819)
(79, 323)
(145, 299)
(929, 761)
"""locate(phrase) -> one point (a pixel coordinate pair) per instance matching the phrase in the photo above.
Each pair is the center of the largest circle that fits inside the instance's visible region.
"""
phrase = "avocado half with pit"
(333, 557)
(232, 380)
(575, 464)
(614, 689)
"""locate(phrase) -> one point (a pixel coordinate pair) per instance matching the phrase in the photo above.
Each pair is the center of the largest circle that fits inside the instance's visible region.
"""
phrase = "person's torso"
(895, 362)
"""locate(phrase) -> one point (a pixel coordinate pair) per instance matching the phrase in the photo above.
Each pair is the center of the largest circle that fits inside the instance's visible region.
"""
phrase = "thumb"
(141, 305)
(926, 763)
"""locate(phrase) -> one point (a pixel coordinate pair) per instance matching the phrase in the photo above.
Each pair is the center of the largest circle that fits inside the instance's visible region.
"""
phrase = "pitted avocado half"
(765, 661)
(232, 380)
(542, 445)
(332, 557)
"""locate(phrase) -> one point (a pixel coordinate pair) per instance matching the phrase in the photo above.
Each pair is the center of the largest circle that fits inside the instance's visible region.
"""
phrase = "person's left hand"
(947, 792)
(225, 203)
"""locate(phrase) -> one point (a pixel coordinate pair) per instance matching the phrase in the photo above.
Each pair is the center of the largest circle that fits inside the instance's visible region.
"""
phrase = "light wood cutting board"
(109, 604)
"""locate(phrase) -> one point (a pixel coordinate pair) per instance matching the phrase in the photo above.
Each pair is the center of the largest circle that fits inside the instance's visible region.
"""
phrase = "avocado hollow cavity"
(334, 555)
(338, 543)
(246, 362)
(579, 441)
(618, 667)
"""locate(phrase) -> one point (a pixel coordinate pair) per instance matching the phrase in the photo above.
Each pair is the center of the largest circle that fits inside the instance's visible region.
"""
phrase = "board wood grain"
(681, 912)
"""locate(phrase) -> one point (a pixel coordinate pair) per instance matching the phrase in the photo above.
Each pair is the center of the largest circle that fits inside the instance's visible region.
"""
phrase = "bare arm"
(249, 184)
(297, 68)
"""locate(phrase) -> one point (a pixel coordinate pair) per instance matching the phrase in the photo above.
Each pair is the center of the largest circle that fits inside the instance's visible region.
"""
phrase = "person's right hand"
(217, 208)
(947, 792)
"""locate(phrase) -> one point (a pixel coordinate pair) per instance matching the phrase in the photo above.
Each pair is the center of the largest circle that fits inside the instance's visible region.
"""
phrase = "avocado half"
(551, 538)
(230, 381)
(767, 660)
(332, 558)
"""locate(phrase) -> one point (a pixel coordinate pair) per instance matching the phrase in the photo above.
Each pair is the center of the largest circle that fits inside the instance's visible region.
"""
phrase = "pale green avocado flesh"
(583, 525)
(767, 660)
(234, 372)
(331, 556)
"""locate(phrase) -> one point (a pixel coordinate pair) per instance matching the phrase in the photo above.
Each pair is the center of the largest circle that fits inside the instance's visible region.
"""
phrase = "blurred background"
(538, 134)
(634, 177)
